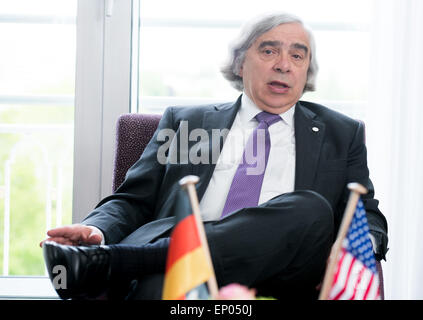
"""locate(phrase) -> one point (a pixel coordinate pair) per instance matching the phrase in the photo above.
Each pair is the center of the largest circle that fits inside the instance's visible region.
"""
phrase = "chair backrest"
(133, 132)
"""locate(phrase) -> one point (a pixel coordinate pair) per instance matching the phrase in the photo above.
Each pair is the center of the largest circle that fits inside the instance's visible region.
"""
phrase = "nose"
(282, 63)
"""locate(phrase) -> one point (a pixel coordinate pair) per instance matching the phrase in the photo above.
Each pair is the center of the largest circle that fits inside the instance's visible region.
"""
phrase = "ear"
(241, 71)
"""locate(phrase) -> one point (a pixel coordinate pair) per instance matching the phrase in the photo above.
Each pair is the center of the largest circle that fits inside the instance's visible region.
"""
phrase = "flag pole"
(188, 183)
(356, 190)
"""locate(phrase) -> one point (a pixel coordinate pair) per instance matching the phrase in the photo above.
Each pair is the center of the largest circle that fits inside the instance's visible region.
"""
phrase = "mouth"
(278, 86)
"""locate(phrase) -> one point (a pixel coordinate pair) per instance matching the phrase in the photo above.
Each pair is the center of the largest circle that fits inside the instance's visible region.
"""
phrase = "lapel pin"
(315, 129)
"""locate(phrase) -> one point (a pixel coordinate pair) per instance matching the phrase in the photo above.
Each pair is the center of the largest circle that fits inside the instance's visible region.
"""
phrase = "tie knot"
(268, 118)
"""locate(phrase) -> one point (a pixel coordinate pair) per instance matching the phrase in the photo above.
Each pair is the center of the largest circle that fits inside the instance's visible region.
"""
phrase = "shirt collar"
(249, 110)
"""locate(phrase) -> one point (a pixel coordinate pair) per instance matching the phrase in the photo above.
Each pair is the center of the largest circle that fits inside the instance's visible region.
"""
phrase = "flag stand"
(188, 183)
(356, 190)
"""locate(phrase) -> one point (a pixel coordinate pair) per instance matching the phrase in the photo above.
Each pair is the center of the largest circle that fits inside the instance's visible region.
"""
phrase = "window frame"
(103, 93)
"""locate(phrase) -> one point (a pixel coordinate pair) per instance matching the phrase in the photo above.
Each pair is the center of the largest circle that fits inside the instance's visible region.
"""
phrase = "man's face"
(275, 69)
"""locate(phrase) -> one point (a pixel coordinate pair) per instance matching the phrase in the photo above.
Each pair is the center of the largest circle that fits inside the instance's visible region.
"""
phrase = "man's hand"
(74, 235)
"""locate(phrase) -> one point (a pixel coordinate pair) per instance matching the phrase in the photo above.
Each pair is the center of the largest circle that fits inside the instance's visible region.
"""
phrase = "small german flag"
(187, 268)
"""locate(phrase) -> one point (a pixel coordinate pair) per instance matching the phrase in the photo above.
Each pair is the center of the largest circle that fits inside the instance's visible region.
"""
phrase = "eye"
(297, 57)
(268, 52)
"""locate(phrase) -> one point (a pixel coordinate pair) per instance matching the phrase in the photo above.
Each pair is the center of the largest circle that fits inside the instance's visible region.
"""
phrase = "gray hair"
(249, 33)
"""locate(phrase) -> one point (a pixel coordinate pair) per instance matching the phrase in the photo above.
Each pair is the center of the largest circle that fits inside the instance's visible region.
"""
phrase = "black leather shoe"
(76, 271)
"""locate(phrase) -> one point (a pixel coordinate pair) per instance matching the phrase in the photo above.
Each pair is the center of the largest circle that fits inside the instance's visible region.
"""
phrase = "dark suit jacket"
(326, 161)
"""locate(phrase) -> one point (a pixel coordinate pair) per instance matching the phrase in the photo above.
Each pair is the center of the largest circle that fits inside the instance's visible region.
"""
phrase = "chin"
(279, 106)
(273, 109)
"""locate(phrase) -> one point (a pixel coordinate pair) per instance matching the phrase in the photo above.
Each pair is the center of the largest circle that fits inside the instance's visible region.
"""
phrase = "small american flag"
(356, 276)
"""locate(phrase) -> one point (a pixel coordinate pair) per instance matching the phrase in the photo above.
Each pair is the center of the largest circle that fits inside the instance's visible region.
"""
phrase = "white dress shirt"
(279, 176)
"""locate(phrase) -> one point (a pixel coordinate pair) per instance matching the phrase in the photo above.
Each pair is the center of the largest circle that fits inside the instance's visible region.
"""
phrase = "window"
(61, 110)
(183, 44)
(37, 64)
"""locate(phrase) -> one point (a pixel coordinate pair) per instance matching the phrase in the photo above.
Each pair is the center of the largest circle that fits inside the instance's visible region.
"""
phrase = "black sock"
(129, 262)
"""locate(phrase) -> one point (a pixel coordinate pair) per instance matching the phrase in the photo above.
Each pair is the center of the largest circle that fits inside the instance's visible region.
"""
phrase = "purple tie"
(246, 184)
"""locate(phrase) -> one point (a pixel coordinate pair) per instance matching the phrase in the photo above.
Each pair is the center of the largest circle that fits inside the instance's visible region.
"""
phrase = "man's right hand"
(74, 235)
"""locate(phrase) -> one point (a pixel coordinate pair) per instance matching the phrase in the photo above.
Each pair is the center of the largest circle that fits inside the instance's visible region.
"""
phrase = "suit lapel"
(309, 133)
(221, 118)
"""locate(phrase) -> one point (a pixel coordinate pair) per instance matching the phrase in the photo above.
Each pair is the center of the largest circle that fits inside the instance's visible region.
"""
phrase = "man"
(270, 230)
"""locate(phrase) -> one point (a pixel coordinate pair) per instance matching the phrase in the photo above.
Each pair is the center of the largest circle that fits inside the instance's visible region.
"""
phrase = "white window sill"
(25, 288)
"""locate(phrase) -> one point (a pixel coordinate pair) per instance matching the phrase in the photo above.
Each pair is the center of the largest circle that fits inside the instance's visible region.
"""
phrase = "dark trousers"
(279, 248)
